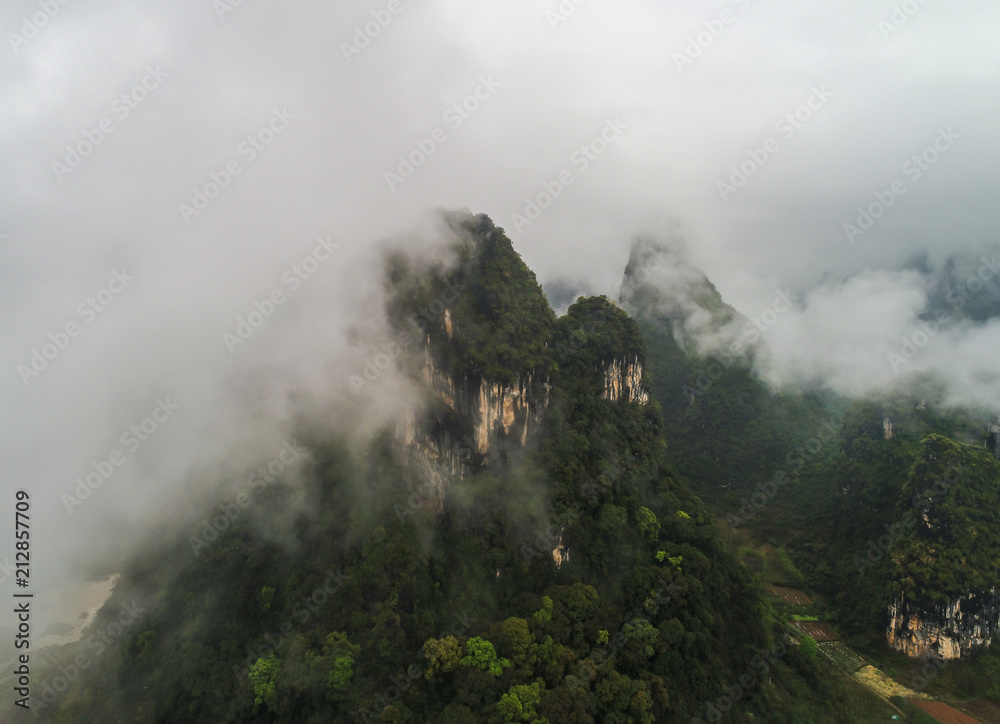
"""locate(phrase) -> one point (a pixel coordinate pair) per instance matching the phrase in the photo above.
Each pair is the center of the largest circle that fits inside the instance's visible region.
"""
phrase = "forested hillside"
(566, 576)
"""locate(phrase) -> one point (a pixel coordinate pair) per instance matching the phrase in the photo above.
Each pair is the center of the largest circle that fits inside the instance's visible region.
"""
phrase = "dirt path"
(945, 714)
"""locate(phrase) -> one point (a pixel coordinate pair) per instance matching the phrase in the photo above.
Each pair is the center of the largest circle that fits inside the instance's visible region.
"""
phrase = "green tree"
(643, 633)
(544, 615)
(145, 643)
(518, 704)
(808, 647)
(649, 526)
(443, 656)
(483, 656)
(337, 644)
(613, 518)
(516, 640)
(341, 673)
(263, 676)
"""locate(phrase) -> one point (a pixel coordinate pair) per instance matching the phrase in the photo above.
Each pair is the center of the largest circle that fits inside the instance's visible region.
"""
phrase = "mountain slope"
(518, 549)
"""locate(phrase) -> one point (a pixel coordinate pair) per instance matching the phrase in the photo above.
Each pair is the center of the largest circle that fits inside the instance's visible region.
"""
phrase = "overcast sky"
(117, 118)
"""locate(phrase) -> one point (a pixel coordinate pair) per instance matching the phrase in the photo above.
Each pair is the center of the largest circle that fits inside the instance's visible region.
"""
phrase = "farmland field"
(841, 656)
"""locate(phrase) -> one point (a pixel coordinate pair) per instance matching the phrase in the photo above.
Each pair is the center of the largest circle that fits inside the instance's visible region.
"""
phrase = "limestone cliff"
(466, 422)
(623, 381)
(494, 410)
(959, 628)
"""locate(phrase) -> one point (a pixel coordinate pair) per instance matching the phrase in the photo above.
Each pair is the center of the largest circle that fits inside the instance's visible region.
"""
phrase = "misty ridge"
(480, 324)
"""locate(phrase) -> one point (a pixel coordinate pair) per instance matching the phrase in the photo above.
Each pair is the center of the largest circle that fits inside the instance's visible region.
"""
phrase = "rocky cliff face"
(959, 628)
(487, 351)
(486, 416)
(623, 381)
(495, 411)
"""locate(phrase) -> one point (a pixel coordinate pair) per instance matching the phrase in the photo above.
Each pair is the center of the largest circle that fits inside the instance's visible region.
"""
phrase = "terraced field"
(841, 656)
(819, 631)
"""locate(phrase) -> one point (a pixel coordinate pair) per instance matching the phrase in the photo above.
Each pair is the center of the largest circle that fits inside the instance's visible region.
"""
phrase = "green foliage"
(515, 639)
(483, 656)
(263, 676)
(808, 647)
(675, 561)
(341, 672)
(337, 646)
(518, 704)
(544, 614)
(145, 644)
(642, 632)
(266, 594)
(951, 542)
(443, 655)
(614, 518)
(786, 568)
(649, 526)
